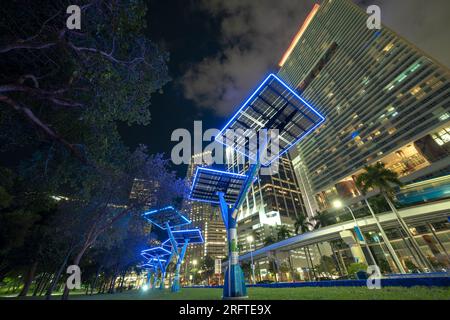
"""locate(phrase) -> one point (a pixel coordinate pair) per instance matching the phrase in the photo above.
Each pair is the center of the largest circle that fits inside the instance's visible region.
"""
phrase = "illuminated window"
(442, 137)
(388, 47)
(418, 92)
(444, 117)
(403, 76)
(392, 130)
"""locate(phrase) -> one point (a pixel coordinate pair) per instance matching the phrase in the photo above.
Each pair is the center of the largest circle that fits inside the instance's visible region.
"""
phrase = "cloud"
(255, 34)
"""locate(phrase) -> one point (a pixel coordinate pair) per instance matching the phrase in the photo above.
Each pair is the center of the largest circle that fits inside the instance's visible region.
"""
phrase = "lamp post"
(250, 240)
(338, 204)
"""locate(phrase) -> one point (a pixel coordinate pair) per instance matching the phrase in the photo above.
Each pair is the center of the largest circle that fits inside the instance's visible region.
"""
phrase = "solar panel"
(208, 182)
(155, 261)
(273, 106)
(193, 236)
(167, 245)
(165, 215)
(148, 266)
(156, 252)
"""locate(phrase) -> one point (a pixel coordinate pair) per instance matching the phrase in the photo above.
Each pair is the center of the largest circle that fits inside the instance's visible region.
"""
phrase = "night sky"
(221, 50)
(188, 34)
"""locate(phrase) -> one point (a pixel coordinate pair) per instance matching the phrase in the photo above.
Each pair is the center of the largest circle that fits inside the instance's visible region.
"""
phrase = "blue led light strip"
(246, 105)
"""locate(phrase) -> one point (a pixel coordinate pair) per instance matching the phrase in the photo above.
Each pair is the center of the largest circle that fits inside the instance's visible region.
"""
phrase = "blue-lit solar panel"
(155, 252)
(167, 245)
(192, 236)
(208, 182)
(273, 106)
(149, 266)
(164, 216)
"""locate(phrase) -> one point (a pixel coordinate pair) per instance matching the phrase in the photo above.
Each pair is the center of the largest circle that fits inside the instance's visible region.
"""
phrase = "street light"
(250, 240)
(338, 205)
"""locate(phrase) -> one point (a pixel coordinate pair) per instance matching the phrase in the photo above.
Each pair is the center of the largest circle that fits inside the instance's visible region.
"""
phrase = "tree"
(283, 233)
(207, 267)
(270, 239)
(301, 224)
(383, 179)
(58, 79)
(62, 93)
(322, 219)
(109, 203)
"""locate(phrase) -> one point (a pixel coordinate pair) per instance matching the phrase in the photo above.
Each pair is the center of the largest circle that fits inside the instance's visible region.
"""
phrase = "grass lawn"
(336, 293)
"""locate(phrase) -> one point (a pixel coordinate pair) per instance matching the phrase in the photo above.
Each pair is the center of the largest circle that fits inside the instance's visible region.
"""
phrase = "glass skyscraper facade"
(383, 99)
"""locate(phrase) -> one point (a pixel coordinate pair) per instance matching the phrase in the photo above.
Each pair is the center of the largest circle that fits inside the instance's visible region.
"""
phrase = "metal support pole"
(155, 277)
(176, 279)
(363, 237)
(253, 264)
(234, 284)
(386, 240)
(164, 270)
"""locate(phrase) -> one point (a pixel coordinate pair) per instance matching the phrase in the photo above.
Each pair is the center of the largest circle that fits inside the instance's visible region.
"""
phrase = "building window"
(442, 137)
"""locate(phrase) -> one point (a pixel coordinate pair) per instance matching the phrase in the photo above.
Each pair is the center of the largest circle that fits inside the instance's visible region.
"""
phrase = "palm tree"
(283, 233)
(270, 239)
(383, 179)
(322, 219)
(301, 224)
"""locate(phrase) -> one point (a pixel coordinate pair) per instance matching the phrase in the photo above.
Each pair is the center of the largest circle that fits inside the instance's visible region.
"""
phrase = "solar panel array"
(166, 215)
(272, 106)
(155, 252)
(207, 183)
(193, 236)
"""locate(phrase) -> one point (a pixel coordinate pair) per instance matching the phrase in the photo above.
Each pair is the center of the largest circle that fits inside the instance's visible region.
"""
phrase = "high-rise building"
(208, 219)
(144, 192)
(273, 201)
(383, 98)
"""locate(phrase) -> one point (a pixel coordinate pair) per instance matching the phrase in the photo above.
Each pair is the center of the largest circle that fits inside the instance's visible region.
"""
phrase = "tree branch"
(35, 120)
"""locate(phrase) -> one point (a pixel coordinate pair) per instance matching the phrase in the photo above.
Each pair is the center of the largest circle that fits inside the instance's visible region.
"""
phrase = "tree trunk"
(122, 282)
(28, 279)
(45, 285)
(41, 283)
(307, 264)
(95, 280)
(76, 262)
(55, 280)
(312, 263)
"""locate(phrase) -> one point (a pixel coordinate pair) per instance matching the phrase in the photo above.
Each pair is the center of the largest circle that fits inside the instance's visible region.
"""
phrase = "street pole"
(362, 235)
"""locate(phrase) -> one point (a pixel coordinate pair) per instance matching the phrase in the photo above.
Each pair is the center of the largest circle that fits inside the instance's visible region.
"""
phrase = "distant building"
(144, 192)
